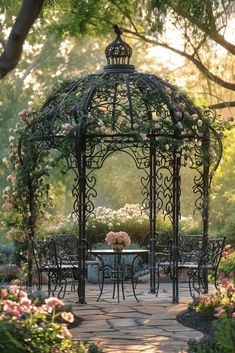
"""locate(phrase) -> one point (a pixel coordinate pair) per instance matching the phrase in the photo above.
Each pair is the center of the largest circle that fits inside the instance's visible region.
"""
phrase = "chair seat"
(188, 265)
(74, 264)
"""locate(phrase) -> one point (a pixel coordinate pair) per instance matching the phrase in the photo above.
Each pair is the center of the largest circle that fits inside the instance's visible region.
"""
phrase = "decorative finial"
(118, 52)
(117, 30)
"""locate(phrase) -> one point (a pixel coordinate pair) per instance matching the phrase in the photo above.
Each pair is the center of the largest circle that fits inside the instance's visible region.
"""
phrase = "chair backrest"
(212, 252)
(67, 246)
(190, 243)
(44, 253)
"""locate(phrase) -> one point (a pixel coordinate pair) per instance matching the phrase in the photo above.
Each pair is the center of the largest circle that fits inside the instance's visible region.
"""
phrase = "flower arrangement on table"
(118, 240)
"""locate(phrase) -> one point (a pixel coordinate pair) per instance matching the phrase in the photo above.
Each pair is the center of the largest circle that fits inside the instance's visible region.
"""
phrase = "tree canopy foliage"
(202, 27)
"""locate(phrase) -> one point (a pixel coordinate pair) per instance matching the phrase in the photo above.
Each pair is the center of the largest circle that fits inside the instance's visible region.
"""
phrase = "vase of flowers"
(118, 240)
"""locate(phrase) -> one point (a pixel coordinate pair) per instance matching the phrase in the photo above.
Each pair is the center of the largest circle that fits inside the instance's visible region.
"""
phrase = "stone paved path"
(149, 326)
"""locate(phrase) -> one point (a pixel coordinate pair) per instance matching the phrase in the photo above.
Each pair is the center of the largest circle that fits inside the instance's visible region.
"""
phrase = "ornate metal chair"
(208, 262)
(68, 258)
(44, 253)
(196, 258)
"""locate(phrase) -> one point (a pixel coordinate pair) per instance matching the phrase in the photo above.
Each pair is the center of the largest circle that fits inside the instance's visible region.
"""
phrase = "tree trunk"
(10, 57)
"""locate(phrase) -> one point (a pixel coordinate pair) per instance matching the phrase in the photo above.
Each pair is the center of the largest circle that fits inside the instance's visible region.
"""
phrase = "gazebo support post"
(152, 215)
(205, 210)
(81, 164)
(30, 236)
(31, 218)
(176, 211)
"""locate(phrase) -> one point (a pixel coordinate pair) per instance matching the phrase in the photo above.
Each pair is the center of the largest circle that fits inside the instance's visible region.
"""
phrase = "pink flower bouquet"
(118, 238)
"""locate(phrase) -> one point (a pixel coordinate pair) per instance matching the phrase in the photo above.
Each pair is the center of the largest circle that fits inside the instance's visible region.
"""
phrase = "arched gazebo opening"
(121, 109)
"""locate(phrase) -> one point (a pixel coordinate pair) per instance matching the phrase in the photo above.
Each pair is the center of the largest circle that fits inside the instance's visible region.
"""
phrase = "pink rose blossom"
(228, 247)
(14, 289)
(5, 161)
(211, 149)
(25, 301)
(67, 127)
(225, 283)
(8, 305)
(219, 312)
(7, 206)
(6, 190)
(53, 302)
(67, 316)
(221, 134)
(65, 332)
(224, 253)
(23, 114)
(181, 106)
(168, 90)
(22, 294)
(5, 197)
(10, 178)
(230, 287)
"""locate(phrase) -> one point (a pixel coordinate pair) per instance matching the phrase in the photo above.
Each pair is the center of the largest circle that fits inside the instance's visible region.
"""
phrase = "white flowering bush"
(131, 218)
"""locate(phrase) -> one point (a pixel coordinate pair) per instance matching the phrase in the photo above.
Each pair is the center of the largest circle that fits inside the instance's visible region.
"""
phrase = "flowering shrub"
(25, 327)
(220, 303)
(130, 217)
(227, 264)
(118, 238)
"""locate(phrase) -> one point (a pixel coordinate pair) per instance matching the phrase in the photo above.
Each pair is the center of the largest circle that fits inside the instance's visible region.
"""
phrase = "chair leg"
(134, 283)
(158, 280)
(114, 289)
(205, 281)
(123, 295)
(62, 288)
(198, 282)
(216, 279)
(39, 273)
(101, 285)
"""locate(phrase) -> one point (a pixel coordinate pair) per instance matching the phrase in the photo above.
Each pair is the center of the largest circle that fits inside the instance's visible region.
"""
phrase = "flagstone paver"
(149, 326)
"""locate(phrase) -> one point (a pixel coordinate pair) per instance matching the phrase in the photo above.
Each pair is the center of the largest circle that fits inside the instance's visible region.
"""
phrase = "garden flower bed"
(25, 326)
(214, 315)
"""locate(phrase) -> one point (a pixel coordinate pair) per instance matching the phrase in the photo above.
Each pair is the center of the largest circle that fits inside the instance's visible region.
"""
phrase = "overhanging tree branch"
(223, 105)
(10, 57)
(206, 72)
(211, 31)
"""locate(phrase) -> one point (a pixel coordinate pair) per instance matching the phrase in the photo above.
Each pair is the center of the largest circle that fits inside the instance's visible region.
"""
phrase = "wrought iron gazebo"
(121, 109)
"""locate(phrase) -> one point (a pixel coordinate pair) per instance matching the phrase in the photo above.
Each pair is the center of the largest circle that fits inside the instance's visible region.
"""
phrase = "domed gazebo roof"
(122, 101)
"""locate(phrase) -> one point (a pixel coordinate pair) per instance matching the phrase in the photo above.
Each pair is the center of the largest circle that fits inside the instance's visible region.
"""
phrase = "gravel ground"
(196, 321)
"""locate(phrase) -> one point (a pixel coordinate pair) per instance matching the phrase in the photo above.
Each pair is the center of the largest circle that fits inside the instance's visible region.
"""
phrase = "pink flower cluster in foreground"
(223, 300)
(118, 238)
(15, 305)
